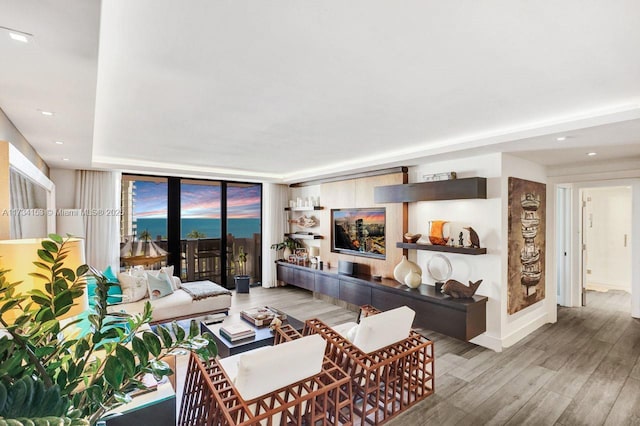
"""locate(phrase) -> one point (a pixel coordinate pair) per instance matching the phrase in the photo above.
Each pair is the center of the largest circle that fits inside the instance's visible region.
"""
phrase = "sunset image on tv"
(359, 231)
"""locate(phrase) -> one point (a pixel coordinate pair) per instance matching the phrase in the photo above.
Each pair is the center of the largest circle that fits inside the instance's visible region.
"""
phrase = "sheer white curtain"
(22, 197)
(98, 195)
(274, 200)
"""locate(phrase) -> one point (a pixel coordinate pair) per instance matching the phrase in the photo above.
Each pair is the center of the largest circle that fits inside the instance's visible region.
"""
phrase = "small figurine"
(473, 237)
(275, 323)
(457, 290)
(461, 239)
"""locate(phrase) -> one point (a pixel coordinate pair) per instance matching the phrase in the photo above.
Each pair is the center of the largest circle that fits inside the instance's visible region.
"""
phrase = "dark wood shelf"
(448, 249)
(453, 189)
(304, 236)
(303, 209)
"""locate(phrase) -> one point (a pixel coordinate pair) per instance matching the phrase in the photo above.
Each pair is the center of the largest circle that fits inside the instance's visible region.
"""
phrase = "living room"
(292, 115)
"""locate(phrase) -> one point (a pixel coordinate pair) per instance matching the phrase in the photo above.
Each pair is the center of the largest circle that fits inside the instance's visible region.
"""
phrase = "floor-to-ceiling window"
(215, 230)
(244, 229)
(201, 230)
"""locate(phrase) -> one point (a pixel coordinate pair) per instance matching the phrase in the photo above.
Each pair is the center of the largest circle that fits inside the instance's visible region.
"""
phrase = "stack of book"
(235, 332)
(261, 317)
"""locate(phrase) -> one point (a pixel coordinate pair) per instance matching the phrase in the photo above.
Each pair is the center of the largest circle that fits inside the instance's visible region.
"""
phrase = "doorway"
(606, 223)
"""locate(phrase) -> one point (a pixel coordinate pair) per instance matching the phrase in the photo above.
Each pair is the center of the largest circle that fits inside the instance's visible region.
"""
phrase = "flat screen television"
(359, 231)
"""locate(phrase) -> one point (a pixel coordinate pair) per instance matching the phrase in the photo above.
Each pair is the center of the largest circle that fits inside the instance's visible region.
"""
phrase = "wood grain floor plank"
(614, 328)
(626, 410)
(544, 408)
(475, 366)
(635, 373)
(597, 396)
(575, 373)
(442, 414)
(447, 385)
(472, 396)
(505, 403)
(556, 357)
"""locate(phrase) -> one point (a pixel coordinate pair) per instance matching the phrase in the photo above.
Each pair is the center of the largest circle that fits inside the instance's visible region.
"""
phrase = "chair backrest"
(377, 331)
(268, 369)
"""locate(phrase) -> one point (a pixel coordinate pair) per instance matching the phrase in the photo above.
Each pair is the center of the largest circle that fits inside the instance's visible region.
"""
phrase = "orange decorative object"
(439, 233)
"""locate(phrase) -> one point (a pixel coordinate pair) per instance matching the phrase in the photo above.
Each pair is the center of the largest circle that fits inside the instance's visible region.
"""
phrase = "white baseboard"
(487, 341)
(525, 330)
(608, 286)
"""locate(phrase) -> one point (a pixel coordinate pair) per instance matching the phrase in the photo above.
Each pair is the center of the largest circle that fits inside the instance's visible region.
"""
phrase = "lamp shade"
(17, 257)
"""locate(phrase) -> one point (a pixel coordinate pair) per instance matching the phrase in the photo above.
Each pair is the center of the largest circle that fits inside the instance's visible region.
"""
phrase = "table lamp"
(17, 257)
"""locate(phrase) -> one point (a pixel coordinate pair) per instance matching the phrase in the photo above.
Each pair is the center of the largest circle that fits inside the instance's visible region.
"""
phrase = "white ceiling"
(292, 89)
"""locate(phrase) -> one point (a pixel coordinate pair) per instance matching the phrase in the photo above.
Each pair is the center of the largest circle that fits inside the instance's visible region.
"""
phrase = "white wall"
(485, 218)
(518, 325)
(489, 219)
(65, 181)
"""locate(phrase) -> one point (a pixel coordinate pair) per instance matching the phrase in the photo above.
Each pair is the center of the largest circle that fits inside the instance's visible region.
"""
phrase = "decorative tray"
(262, 316)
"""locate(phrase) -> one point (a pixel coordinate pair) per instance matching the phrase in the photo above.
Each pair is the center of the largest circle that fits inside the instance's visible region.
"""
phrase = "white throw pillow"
(134, 286)
(159, 286)
(273, 367)
(383, 329)
(168, 270)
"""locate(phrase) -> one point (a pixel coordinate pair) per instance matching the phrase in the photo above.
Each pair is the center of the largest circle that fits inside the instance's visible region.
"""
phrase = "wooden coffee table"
(263, 337)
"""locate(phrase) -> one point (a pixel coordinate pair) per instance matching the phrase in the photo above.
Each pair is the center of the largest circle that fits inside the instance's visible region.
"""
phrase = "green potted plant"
(242, 279)
(49, 372)
(288, 245)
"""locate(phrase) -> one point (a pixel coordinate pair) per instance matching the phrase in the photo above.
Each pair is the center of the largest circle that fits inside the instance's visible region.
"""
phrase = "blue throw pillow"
(110, 276)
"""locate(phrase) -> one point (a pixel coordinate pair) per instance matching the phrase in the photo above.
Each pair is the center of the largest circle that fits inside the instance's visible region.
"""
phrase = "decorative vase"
(413, 279)
(439, 232)
(286, 253)
(403, 268)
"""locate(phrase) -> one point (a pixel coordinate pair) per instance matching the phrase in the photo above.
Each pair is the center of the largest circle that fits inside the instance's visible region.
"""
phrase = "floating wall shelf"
(453, 189)
(448, 249)
(304, 236)
(303, 209)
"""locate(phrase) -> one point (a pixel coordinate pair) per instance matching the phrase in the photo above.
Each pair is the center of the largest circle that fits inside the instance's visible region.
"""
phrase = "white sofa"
(176, 305)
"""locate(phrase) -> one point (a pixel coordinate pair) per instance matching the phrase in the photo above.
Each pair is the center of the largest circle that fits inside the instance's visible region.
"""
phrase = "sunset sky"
(197, 201)
(369, 216)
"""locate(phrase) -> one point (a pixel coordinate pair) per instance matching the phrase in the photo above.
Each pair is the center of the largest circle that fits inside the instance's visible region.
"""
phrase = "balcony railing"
(200, 258)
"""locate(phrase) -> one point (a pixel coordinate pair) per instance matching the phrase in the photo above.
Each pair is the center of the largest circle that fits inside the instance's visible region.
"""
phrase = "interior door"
(607, 236)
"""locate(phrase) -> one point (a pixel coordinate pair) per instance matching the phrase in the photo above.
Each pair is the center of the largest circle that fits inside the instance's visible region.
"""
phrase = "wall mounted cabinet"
(453, 189)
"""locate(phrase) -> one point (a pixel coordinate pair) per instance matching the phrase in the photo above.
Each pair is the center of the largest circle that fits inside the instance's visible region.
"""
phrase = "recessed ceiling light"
(59, 143)
(561, 138)
(65, 159)
(47, 113)
(591, 154)
(18, 37)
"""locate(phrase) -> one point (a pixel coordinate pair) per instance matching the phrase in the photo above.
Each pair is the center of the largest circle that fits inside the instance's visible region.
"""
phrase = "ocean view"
(239, 228)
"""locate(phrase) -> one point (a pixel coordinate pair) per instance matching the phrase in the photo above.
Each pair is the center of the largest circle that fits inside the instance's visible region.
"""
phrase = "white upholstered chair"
(290, 383)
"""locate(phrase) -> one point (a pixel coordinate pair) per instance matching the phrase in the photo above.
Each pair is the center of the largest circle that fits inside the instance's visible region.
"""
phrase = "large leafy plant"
(93, 362)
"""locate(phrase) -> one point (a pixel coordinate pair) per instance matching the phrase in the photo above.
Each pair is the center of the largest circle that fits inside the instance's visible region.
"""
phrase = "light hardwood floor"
(583, 370)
